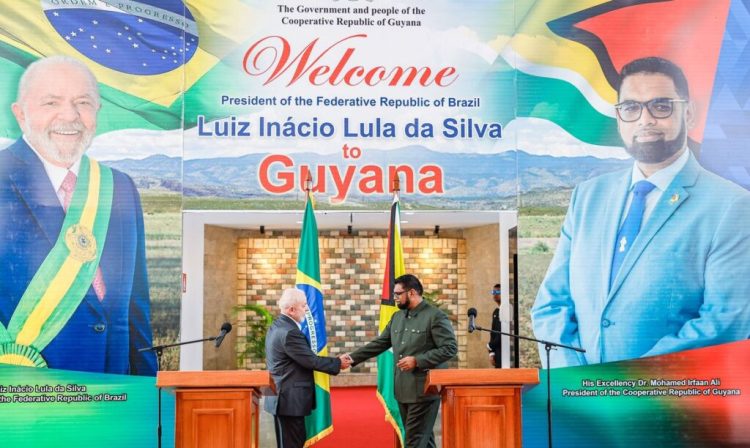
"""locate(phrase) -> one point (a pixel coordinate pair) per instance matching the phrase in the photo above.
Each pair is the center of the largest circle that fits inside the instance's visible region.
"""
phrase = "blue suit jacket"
(683, 284)
(100, 336)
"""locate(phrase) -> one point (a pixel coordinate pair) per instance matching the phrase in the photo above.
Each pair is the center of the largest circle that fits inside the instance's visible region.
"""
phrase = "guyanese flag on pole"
(318, 424)
(147, 55)
(394, 268)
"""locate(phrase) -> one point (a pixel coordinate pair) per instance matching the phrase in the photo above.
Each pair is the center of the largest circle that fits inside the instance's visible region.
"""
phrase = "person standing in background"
(495, 346)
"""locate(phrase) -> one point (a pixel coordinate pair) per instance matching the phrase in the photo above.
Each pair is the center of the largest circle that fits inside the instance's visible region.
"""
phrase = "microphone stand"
(159, 350)
(547, 347)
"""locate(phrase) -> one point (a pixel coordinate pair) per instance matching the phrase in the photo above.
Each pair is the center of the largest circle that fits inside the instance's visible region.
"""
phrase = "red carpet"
(358, 420)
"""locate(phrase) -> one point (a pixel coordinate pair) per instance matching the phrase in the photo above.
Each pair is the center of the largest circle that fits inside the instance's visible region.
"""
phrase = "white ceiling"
(360, 220)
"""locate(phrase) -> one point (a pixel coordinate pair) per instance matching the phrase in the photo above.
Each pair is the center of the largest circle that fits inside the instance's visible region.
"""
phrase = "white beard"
(66, 155)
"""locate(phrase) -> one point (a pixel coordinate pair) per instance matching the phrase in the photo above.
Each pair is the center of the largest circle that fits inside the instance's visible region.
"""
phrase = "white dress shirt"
(55, 174)
(661, 179)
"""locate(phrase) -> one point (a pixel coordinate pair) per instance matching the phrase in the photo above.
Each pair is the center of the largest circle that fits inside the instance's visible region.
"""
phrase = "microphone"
(472, 315)
(226, 327)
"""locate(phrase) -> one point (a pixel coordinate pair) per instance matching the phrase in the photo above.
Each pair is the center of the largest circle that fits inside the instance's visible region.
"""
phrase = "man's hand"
(346, 361)
(407, 363)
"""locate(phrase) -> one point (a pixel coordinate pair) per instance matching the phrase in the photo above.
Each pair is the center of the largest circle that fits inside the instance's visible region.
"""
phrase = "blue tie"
(631, 226)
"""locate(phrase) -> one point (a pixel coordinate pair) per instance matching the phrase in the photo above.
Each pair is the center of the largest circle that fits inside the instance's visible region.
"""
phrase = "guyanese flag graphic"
(565, 56)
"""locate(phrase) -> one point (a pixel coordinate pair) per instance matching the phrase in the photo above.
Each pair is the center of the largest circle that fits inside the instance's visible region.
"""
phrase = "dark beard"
(403, 306)
(657, 151)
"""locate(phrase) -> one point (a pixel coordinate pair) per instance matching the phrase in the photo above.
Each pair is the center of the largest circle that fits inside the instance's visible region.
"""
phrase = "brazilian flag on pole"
(394, 268)
(318, 424)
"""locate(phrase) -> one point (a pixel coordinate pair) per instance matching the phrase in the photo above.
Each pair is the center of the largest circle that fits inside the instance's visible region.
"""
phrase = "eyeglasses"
(398, 293)
(630, 110)
(496, 291)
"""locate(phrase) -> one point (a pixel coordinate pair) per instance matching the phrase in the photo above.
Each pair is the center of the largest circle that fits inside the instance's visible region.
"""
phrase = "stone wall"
(352, 275)
(219, 294)
(481, 277)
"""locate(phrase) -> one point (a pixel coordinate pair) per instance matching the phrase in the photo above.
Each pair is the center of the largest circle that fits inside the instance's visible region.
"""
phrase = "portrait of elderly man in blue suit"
(73, 283)
(653, 259)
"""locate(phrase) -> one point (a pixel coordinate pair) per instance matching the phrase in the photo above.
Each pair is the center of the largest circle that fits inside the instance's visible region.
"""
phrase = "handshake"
(346, 361)
(405, 364)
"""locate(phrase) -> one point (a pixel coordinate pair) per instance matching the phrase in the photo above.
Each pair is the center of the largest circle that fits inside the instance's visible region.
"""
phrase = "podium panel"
(208, 418)
(217, 409)
(481, 407)
(480, 417)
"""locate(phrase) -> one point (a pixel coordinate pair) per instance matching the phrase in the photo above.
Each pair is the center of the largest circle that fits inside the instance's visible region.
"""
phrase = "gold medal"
(81, 243)
(675, 197)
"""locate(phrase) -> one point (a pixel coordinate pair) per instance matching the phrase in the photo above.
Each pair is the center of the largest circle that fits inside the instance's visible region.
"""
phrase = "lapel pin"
(675, 197)
(623, 243)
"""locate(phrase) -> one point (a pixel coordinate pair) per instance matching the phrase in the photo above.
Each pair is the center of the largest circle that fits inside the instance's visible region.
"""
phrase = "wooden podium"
(217, 408)
(481, 407)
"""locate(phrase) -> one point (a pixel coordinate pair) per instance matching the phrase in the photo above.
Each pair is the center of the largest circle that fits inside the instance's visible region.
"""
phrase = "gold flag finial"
(396, 184)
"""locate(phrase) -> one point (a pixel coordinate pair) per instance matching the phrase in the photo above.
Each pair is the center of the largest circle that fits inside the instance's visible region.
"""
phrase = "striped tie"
(66, 191)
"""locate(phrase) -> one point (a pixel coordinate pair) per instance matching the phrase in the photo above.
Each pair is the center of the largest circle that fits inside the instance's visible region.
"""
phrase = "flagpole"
(396, 198)
(308, 186)
(395, 189)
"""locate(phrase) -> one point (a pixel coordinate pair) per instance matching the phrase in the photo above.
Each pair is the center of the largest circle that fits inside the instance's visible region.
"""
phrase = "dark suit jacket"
(495, 339)
(100, 336)
(291, 362)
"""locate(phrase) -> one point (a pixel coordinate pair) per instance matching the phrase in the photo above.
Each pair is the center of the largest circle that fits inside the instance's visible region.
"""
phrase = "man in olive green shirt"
(422, 338)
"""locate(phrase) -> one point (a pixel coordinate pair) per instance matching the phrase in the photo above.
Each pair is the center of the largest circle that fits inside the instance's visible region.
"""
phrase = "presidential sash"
(62, 280)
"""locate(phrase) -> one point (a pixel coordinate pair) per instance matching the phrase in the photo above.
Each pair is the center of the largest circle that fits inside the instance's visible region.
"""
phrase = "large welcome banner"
(473, 105)
(356, 94)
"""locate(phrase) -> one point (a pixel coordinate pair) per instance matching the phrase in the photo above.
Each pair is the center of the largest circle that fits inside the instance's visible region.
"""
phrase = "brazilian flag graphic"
(149, 56)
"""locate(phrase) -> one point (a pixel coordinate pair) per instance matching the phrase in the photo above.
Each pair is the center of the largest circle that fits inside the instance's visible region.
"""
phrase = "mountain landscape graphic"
(467, 176)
